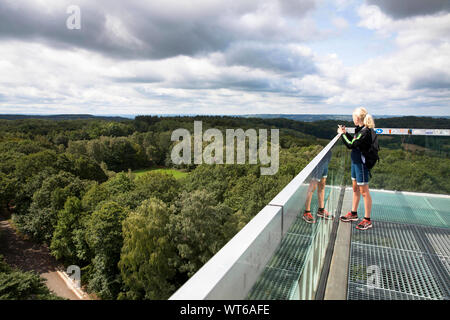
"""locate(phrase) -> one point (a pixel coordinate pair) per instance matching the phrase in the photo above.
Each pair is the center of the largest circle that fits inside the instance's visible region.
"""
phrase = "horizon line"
(208, 114)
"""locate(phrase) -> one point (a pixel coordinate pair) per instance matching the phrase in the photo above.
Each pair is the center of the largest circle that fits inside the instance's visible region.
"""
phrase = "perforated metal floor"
(283, 270)
(421, 209)
(409, 248)
(405, 262)
(274, 284)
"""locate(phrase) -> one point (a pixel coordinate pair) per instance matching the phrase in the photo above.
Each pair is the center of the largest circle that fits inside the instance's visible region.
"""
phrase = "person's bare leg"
(364, 190)
(356, 196)
(311, 188)
(321, 192)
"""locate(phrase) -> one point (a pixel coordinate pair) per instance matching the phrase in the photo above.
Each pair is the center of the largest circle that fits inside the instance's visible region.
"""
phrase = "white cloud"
(411, 8)
(262, 63)
(408, 31)
(415, 73)
(424, 29)
(159, 28)
(372, 18)
(82, 80)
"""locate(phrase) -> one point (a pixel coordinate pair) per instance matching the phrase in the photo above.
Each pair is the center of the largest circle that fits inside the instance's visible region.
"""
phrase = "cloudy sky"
(225, 56)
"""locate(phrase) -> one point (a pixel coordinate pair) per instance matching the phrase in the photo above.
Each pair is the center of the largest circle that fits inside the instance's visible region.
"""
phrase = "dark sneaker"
(308, 217)
(325, 215)
(349, 217)
(364, 225)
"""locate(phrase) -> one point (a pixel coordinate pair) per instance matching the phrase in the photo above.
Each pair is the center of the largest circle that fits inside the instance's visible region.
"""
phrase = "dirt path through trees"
(28, 256)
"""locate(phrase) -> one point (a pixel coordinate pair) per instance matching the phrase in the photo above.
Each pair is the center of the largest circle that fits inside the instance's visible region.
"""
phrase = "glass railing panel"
(413, 163)
(231, 272)
(411, 182)
(234, 270)
(409, 244)
(294, 270)
(278, 255)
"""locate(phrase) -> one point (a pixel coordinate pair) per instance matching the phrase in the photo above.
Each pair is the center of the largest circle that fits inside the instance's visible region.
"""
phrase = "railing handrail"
(408, 131)
(205, 283)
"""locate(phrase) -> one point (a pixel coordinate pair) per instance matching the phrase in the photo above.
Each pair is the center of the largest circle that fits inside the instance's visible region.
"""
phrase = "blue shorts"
(360, 173)
(320, 172)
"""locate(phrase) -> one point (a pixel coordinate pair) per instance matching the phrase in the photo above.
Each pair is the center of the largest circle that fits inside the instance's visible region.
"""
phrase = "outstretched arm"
(354, 142)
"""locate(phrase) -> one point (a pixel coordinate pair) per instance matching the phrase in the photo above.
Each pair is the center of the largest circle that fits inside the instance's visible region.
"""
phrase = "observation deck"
(277, 255)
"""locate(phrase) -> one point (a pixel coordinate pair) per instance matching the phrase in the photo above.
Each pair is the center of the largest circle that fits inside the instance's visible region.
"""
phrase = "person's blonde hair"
(364, 117)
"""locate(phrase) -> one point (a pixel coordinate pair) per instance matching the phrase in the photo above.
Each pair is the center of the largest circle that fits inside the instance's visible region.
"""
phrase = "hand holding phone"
(341, 129)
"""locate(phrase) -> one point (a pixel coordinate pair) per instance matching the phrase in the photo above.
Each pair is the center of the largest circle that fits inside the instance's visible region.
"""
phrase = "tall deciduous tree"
(64, 242)
(148, 256)
(41, 219)
(200, 229)
(19, 285)
(104, 237)
(7, 189)
(33, 163)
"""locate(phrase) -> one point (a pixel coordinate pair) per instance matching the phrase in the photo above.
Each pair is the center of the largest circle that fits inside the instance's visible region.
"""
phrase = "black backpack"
(371, 155)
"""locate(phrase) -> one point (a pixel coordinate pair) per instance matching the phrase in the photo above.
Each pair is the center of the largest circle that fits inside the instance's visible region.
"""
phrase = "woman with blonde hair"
(360, 143)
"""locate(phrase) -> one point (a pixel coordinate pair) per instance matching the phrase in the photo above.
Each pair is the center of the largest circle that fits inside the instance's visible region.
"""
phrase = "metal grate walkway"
(282, 272)
(420, 209)
(409, 247)
(406, 254)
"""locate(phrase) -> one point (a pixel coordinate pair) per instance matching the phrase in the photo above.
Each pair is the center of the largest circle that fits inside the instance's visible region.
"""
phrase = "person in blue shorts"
(359, 143)
(318, 180)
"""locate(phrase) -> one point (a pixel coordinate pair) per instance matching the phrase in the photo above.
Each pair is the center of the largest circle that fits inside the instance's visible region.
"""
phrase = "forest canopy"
(71, 185)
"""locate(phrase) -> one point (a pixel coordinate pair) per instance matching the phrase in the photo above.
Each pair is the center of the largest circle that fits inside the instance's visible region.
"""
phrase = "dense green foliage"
(104, 238)
(406, 171)
(148, 256)
(70, 184)
(19, 285)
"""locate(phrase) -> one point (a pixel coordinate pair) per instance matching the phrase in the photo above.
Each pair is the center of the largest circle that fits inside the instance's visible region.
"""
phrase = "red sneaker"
(364, 225)
(308, 217)
(349, 217)
(325, 215)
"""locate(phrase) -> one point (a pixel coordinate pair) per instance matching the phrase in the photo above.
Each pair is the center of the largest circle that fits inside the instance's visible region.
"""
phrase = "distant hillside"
(301, 117)
(61, 117)
(408, 121)
(415, 122)
(319, 117)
